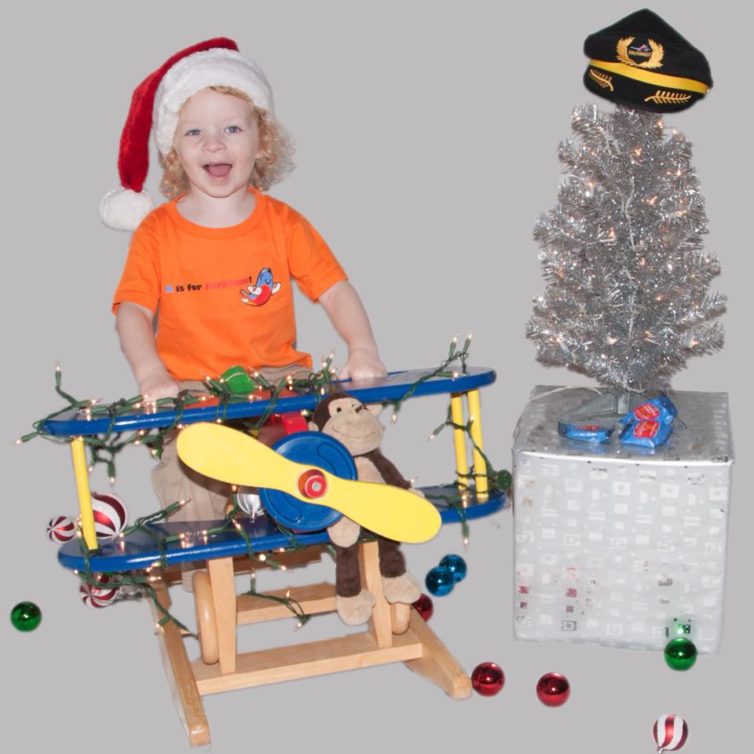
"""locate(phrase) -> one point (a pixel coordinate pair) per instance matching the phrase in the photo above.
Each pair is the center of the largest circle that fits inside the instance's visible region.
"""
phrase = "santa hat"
(156, 103)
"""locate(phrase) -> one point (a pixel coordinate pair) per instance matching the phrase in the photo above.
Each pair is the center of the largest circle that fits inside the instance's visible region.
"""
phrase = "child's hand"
(362, 365)
(156, 385)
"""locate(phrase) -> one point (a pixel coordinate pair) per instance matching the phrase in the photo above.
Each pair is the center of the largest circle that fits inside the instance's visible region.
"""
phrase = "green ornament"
(25, 616)
(237, 380)
(680, 653)
(504, 480)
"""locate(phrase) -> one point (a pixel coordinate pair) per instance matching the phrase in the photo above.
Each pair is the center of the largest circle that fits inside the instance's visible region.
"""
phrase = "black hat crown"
(642, 61)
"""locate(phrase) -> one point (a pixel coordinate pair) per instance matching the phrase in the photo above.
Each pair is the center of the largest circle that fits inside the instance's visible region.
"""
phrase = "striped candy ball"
(670, 732)
(98, 595)
(110, 515)
(61, 529)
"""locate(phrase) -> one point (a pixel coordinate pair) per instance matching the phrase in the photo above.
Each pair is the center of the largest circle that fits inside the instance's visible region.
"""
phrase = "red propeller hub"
(312, 484)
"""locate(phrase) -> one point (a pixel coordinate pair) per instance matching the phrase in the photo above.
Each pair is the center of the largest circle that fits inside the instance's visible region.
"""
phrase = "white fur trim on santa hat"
(123, 209)
(216, 67)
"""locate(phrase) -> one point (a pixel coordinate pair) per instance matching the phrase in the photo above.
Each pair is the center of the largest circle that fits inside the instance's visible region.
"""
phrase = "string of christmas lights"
(105, 447)
(455, 355)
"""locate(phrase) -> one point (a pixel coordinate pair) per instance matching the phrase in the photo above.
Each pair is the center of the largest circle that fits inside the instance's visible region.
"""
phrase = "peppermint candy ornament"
(110, 515)
(100, 594)
(670, 732)
(61, 529)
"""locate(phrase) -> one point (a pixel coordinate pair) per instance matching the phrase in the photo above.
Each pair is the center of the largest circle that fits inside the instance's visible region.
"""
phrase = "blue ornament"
(456, 565)
(440, 581)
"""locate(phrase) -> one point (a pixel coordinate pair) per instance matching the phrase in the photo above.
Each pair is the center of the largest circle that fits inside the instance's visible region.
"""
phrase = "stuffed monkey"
(356, 426)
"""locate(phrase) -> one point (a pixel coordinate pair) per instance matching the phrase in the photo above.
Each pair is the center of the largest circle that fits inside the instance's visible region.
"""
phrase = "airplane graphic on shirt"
(261, 292)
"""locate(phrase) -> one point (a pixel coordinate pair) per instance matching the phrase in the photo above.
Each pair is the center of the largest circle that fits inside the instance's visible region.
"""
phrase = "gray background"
(427, 136)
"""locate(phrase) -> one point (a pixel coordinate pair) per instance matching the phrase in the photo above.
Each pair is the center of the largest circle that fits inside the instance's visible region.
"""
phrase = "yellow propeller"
(234, 457)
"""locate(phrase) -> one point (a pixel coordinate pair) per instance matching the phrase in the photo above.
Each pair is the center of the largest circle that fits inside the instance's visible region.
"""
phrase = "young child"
(213, 267)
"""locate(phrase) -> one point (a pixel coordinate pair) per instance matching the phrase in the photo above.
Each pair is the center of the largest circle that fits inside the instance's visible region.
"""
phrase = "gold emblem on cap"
(653, 61)
(605, 81)
(661, 97)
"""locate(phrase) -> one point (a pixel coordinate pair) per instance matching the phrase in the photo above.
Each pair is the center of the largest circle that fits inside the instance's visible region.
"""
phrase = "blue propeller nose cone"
(311, 449)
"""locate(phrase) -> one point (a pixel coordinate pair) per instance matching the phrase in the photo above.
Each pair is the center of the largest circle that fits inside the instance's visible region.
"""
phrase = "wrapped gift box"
(618, 545)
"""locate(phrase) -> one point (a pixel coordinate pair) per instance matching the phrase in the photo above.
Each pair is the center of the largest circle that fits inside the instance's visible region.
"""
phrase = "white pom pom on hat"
(124, 209)
(157, 102)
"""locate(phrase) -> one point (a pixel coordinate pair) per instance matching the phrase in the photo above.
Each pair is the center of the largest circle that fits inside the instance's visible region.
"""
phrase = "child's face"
(217, 143)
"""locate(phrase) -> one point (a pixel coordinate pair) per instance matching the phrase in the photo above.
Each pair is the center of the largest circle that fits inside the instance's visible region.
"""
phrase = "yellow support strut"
(459, 438)
(81, 474)
(480, 465)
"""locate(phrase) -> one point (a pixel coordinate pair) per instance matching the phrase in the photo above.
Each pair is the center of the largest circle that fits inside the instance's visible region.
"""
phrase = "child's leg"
(173, 481)
(276, 374)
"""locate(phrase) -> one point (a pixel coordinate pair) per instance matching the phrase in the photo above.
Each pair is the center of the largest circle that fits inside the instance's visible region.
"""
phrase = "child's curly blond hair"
(271, 166)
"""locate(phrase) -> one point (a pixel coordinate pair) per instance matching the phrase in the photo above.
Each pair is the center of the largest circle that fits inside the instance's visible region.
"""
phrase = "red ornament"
(553, 689)
(61, 529)
(670, 732)
(487, 679)
(110, 515)
(424, 607)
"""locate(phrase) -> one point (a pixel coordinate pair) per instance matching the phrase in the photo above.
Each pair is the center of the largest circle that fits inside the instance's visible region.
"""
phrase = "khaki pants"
(172, 480)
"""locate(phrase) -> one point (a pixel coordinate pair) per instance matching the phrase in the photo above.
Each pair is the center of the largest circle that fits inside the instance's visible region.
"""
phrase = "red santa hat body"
(155, 106)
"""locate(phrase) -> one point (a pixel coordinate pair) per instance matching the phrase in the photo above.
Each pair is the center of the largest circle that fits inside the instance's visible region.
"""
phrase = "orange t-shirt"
(223, 295)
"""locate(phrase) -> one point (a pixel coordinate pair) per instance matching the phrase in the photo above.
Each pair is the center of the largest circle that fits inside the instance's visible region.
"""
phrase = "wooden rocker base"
(395, 633)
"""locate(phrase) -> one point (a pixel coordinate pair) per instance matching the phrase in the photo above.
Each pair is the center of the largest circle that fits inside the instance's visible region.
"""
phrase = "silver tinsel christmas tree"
(627, 299)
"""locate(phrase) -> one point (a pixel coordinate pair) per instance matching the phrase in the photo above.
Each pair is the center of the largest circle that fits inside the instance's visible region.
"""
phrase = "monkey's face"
(354, 424)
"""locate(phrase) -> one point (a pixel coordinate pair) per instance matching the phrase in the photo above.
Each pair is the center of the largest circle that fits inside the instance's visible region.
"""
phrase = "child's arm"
(349, 318)
(135, 327)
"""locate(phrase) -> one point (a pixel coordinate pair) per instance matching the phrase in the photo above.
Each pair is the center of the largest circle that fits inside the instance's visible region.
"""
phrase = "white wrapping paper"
(619, 545)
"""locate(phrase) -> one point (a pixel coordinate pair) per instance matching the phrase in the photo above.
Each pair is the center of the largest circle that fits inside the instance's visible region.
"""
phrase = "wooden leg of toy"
(401, 614)
(223, 588)
(206, 623)
(436, 662)
(180, 675)
(380, 624)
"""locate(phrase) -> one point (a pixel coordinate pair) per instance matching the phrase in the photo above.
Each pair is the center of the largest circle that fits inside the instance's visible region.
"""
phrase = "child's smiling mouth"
(218, 169)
